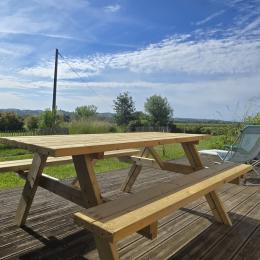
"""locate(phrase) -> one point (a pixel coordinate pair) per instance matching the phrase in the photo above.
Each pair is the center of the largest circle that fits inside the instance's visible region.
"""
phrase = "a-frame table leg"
(212, 198)
(133, 173)
(218, 209)
(30, 188)
(89, 187)
(193, 156)
(151, 230)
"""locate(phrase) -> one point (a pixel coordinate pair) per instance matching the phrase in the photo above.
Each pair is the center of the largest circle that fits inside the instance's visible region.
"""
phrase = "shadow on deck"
(190, 233)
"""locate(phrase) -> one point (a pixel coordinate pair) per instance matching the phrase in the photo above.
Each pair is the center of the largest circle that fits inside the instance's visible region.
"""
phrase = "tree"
(9, 121)
(124, 107)
(159, 110)
(31, 122)
(85, 111)
(140, 119)
(46, 119)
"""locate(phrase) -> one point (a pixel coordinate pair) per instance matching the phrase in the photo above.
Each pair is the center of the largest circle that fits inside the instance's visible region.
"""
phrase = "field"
(10, 180)
(204, 128)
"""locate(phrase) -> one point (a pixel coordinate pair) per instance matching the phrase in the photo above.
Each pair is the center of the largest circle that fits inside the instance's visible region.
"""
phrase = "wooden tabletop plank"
(64, 145)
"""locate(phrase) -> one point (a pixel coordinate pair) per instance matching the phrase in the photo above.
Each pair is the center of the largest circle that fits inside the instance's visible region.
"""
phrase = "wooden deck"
(190, 233)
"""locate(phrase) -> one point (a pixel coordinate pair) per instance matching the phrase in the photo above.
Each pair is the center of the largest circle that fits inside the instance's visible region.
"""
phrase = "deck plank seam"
(188, 224)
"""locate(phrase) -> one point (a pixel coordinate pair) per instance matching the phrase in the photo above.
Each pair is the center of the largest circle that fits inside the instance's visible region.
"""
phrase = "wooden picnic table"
(85, 150)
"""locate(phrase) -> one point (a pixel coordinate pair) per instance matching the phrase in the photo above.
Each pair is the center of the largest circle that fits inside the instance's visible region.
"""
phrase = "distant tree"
(139, 115)
(159, 110)
(31, 122)
(124, 107)
(9, 121)
(46, 119)
(139, 119)
(85, 111)
(66, 116)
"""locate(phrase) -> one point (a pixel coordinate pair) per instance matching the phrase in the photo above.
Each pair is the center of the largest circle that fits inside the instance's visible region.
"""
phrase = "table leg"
(218, 209)
(106, 249)
(156, 156)
(87, 180)
(30, 188)
(150, 231)
(192, 155)
(212, 198)
(133, 173)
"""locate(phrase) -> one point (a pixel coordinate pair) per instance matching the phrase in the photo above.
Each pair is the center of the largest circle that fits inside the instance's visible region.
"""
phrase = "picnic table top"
(64, 145)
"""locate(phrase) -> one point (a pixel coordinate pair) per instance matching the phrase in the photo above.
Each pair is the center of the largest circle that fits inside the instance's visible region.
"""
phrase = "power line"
(81, 78)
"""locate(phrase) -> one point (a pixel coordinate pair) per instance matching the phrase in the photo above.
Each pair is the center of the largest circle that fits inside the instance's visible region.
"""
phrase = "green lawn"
(10, 180)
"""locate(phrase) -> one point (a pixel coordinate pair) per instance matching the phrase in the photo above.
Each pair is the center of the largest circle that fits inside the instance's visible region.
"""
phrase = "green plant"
(90, 127)
(46, 119)
(253, 119)
(139, 119)
(9, 121)
(85, 111)
(31, 122)
(159, 110)
(124, 107)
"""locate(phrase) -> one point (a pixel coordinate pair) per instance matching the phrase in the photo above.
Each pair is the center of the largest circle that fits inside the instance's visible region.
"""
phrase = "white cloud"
(39, 18)
(255, 24)
(228, 56)
(112, 8)
(212, 16)
(15, 100)
(15, 50)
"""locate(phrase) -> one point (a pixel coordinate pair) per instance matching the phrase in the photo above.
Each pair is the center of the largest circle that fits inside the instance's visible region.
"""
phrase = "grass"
(167, 152)
(91, 126)
(7, 153)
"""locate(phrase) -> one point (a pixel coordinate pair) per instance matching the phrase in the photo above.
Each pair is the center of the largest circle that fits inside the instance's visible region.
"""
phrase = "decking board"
(51, 233)
(178, 231)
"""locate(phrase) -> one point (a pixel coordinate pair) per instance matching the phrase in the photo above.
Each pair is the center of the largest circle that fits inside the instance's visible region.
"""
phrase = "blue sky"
(203, 55)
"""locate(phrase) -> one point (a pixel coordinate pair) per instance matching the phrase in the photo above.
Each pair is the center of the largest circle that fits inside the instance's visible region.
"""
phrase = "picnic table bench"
(25, 164)
(140, 212)
(111, 221)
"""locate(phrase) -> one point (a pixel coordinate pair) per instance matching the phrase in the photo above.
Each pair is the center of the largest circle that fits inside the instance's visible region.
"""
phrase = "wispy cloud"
(112, 8)
(212, 16)
(200, 58)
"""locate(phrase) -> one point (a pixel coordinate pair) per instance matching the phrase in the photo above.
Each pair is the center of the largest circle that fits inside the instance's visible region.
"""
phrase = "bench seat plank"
(25, 164)
(116, 219)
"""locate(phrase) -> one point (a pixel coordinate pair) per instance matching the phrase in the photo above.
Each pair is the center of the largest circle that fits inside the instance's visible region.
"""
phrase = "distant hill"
(108, 115)
(28, 112)
(21, 112)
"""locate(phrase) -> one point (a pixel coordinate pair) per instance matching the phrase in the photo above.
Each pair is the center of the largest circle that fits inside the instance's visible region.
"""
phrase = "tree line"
(157, 112)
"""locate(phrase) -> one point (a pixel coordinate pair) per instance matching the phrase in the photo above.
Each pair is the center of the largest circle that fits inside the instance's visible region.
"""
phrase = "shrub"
(31, 122)
(46, 119)
(9, 121)
(91, 126)
(253, 120)
(85, 111)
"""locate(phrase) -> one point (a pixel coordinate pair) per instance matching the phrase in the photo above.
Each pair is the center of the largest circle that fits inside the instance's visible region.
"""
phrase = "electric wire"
(81, 78)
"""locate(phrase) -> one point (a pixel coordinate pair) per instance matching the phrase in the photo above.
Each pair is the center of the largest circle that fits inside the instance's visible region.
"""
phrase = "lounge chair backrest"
(248, 145)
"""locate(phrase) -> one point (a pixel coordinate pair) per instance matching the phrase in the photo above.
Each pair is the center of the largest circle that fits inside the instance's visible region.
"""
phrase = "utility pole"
(55, 85)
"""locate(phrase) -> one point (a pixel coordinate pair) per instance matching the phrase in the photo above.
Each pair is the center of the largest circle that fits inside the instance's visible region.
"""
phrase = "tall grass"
(91, 126)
